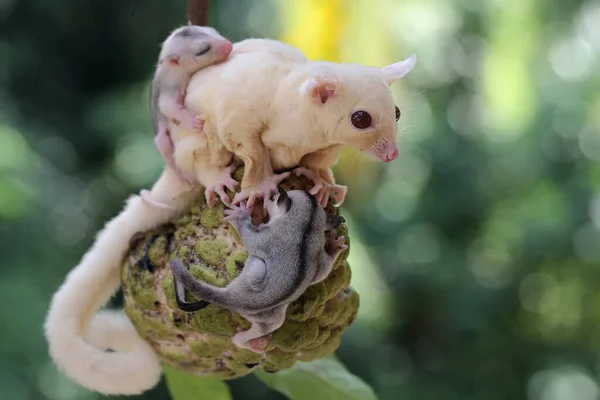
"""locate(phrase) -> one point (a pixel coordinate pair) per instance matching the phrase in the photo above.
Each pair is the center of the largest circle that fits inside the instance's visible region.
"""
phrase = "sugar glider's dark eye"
(397, 113)
(203, 51)
(361, 119)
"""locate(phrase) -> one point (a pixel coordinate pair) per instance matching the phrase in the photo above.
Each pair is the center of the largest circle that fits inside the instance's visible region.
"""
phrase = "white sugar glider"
(186, 50)
(275, 110)
(285, 256)
(77, 337)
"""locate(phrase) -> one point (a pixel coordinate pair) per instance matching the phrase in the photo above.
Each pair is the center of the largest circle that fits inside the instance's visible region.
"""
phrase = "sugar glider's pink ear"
(396, 71)
(322, 84)
(172, 60)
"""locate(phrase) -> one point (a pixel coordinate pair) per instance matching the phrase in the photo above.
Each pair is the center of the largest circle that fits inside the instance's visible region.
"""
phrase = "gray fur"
(286, 256)
(190, 31)
(193, 44)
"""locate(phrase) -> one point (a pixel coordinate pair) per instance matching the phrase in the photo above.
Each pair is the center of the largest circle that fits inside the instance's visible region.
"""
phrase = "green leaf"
(325, 378)
(184, 386)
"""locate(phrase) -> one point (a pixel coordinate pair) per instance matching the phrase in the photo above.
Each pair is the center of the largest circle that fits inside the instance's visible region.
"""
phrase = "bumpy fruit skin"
(200, 342)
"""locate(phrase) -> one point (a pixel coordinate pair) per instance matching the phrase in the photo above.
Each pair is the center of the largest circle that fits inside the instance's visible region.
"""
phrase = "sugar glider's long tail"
(78, 340)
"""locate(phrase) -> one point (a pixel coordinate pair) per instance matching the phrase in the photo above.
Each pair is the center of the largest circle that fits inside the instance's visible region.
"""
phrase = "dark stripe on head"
(190, 31)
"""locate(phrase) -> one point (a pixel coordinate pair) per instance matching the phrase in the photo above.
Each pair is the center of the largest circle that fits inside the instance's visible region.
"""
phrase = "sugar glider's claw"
(257, 195)
(336, 242)
(277, 178)
(234, 211)
(339, 192)
(264, 189)
(145, 195)
(248, 195)
(317, 181)
(209, 195)
(322, 196)
(224, 180)
(321, 189)
(269, 186)
(222, 195)
(243, 195)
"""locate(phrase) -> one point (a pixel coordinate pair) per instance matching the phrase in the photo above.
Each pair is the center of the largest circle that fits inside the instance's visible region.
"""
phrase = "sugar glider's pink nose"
(226, 48)
(391, 156)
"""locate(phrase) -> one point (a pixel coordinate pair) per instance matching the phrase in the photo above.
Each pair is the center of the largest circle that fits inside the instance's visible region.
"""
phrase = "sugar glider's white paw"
(256, 345)
(237, 212)
(338, 191)
(336, 243)
(218, 183)
(321, 189)
(263, 189)
(314, 177)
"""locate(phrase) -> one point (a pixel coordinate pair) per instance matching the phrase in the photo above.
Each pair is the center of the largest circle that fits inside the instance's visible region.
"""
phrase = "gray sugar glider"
(290, 252)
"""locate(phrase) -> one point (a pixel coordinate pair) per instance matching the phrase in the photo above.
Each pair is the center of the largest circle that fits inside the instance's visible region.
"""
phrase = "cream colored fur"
(78, 339)
(263, 105)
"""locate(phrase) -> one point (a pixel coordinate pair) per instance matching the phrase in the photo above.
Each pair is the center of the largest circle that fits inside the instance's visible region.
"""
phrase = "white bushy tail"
(78, 337)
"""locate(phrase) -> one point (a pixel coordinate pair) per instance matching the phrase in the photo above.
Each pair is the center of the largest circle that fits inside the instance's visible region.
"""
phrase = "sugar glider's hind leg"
(89, 286)
(165, 147)
(211, 163)
(263, 324)
(317, 167)
(335, 246)
(259, 180)
(217, 180)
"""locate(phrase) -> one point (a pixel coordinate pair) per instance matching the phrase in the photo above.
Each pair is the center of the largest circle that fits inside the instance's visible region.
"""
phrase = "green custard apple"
(200, 342)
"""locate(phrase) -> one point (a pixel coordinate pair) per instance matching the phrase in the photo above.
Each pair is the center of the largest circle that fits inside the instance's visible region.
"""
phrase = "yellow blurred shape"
(508, 85)
(315, 26)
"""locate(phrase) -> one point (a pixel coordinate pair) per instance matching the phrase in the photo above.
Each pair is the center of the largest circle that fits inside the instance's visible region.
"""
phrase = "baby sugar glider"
(185, 51)
(290, 252)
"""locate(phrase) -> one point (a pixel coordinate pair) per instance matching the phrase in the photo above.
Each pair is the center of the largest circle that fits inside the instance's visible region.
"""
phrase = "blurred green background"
(476, 252)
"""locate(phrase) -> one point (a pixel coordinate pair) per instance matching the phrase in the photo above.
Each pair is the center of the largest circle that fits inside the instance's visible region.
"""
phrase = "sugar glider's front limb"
(316, 166)
(264, 323)
(89, 286)
(259, 180)
(335, 247)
